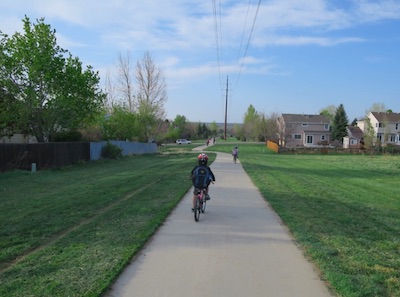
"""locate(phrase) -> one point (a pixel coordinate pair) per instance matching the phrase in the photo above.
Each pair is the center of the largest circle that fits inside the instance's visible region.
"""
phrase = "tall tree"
(268, 127)
(152, 87)
(329, 112)
(125, 83)
(251, 118)
(340, 123)
(369, 136)
(376, 107)
(152, 94)
(213, 128)
(121, 125)
(47, 86)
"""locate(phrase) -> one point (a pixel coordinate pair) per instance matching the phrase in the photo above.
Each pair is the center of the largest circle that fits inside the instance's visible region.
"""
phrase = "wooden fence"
(273, 146)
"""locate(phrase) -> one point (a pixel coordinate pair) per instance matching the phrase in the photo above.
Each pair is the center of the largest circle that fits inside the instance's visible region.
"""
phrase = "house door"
(310, 139)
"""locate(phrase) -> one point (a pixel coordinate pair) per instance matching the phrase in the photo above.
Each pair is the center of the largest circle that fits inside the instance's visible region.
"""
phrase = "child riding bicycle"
(201, 176)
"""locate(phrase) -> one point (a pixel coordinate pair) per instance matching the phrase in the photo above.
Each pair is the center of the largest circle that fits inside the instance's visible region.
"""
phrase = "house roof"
(305, 118)
(386, 116)
(355, 132)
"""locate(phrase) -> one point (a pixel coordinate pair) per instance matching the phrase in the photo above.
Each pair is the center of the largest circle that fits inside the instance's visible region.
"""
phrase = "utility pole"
(226, 106)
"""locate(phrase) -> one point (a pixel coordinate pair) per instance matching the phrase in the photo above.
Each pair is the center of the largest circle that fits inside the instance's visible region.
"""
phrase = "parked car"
(183, 141)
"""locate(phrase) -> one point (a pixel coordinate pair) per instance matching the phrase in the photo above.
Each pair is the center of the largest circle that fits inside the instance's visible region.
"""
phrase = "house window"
(304, 125)
(353, 141)
(397, 126)
(309, 139)
(323, 137)
(392, 138)
(326, 126)
(297, 136)
(381, 125)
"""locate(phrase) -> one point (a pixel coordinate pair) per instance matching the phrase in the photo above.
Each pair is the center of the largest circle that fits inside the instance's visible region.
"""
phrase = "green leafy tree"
(340, 123)
(178, 128)
(267, 126)
(45, 85)
(9, 113)
(203, 131)
(329, 112)
(369, 136)
(121, 124)
(250, 124)
(213, 128)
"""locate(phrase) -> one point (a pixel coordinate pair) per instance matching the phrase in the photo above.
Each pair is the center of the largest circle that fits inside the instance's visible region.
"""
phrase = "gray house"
(354, 138)
(302, 130)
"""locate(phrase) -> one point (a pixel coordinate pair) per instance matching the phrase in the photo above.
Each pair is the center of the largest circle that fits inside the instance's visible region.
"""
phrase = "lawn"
(70, 232)
(343, 210)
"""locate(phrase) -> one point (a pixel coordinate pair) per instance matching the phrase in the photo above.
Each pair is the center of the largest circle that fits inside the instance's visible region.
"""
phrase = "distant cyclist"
(201, 176)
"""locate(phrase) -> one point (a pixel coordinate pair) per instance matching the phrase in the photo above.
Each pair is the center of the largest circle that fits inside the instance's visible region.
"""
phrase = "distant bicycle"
(234, 158)
(201, 203)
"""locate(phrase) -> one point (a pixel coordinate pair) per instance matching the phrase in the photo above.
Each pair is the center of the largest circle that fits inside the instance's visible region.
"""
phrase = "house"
(386, 126)
(354, 138)
(300, 130)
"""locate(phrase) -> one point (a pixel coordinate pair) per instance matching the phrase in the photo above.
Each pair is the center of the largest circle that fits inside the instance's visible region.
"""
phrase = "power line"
(248, 42)
(244, 30)
(217, 37)
(218, 42)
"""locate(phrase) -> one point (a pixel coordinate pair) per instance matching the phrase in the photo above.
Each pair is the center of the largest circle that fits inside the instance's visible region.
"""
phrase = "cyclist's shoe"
(208, 197)
(192, 209)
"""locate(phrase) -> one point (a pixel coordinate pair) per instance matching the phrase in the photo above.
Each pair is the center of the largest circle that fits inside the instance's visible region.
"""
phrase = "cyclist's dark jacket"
(200, 182)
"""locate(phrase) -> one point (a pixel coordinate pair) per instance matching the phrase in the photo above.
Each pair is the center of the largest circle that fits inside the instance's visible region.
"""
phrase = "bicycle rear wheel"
(203, 206)
(197, 210)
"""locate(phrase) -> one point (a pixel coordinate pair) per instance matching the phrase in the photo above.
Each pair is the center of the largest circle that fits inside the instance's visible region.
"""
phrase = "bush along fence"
(32, 156)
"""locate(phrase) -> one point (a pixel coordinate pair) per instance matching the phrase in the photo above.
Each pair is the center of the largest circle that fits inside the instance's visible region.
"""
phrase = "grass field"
(70, 232)
(344, 210)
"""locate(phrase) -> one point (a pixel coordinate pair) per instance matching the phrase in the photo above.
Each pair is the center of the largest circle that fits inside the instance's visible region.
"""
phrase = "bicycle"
(201, 203)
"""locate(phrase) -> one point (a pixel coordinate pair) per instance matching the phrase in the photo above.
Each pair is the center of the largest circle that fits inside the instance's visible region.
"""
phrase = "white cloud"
(378, 10)
(307, 40)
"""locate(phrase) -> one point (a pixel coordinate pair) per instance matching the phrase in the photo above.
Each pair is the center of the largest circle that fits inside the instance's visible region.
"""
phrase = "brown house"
(300, 130)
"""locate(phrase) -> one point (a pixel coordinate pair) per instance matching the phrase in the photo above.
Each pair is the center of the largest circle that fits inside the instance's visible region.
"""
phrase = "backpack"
(201, 177)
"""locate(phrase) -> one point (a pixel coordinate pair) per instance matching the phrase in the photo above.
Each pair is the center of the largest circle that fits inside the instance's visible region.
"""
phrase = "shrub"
(67, 136)
(111, 151)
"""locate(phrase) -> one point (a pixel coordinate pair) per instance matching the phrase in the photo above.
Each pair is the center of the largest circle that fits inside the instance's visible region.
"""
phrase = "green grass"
(344, 211)
(70, 232)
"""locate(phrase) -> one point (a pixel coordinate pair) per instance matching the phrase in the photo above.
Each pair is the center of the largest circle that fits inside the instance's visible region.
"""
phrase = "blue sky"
(299, 57)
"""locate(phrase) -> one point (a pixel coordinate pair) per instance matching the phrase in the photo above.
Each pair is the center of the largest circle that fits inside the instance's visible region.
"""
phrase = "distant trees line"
(47, 93)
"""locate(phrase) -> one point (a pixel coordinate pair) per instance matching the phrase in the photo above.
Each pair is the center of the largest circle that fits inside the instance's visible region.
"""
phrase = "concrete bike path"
(238, 248)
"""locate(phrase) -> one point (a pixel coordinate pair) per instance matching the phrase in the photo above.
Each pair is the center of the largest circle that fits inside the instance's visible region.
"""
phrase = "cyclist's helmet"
(203, 159)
